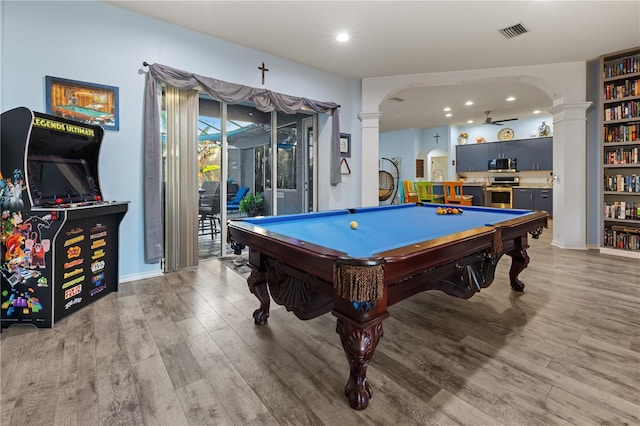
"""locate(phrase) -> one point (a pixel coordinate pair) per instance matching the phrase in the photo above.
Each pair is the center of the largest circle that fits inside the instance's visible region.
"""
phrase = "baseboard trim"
(136, 277)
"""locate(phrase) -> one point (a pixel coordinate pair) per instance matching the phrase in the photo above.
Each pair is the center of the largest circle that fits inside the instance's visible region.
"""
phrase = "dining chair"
(453, 194)
(426, 193)
(410, 194)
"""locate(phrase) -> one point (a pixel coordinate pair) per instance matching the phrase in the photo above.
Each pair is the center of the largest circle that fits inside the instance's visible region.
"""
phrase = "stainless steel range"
(499, 192)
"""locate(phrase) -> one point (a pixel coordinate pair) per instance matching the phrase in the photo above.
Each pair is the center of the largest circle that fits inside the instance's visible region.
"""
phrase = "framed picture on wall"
(84, 102)
(345, 145)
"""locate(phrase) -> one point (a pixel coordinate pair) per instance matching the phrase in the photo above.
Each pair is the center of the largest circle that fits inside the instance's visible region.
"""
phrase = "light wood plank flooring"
(183, 350)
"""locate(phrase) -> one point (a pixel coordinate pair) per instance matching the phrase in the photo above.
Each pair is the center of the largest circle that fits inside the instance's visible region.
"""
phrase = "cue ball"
(354, 224)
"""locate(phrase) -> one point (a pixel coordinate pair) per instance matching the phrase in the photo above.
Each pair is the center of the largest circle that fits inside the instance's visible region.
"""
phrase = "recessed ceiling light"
(536, 111)
(511, 99)
(448, 114)
(342, 37)
(468, 103)
(447, 109)
(469, 121)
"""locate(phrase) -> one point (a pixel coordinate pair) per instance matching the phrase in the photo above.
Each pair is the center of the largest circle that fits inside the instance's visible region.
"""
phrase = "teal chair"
(234, 203)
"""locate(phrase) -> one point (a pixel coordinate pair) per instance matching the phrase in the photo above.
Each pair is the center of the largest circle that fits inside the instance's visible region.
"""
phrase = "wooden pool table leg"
(359, 341)
(519, 261)
(257, 282)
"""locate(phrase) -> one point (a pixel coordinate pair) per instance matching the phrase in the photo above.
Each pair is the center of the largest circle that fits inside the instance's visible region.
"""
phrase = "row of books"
(614, 91)
(624, 111)
(622, 133)
(628, 65)
(622, 237)
(623, 156)
(622, 210)
(621, 183)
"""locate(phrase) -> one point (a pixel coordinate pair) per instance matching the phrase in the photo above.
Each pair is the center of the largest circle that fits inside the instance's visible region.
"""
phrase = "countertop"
(522, 185)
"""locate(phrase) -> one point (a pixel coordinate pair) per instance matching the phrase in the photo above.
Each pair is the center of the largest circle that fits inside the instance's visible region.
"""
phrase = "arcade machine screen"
(62, 170)
(56, 180)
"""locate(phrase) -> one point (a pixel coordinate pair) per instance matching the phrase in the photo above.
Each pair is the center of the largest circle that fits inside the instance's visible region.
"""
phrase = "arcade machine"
(58, 236)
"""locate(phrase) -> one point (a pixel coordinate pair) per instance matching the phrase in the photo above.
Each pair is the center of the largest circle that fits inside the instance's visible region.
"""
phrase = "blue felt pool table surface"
(381, 228)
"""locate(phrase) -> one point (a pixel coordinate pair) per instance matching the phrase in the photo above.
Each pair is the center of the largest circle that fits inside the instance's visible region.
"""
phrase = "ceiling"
(407, 37)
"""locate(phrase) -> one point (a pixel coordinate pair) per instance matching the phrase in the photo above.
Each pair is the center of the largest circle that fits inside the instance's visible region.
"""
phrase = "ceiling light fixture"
(446, 109)
(468, 103)
(469, 121)
(342, 37)
(448, 114)
(511, 98)
(537, 111)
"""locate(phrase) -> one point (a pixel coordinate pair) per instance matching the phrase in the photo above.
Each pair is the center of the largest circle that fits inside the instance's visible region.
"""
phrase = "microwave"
(503, 165)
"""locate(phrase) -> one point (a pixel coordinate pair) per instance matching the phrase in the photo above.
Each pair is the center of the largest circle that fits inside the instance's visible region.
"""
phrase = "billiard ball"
(354, 224)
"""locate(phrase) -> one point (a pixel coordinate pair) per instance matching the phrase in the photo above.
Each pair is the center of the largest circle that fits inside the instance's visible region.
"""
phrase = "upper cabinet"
(534, 154)
(472, 158)
(620, 148)
(531, 154)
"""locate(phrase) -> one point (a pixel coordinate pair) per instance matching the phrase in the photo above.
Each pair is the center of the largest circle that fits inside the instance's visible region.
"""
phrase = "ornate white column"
(370, 153)
(570, 171)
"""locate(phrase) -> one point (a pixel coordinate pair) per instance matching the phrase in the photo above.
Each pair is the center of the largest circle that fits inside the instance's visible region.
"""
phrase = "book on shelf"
(627, 238)
(629, 65)
(627, 229)
(627, 211)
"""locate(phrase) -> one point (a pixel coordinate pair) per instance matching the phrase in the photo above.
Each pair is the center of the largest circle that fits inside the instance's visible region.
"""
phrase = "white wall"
(108, 46)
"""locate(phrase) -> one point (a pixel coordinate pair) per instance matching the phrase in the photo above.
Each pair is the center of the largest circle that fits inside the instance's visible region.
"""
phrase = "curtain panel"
(181, 169)
(264, 100)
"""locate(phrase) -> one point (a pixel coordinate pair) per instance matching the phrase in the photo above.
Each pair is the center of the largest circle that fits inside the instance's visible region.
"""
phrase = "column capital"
(574, 111)
(370, 119)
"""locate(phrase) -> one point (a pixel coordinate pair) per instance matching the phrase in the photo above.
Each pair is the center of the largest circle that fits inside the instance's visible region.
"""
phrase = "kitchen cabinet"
(531, 154)
(534, 154)
(477, 191)
(533, 199)
(506, 149)
(472, 158)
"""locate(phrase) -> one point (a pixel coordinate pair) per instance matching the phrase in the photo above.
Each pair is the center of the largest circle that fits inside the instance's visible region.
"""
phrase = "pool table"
(314, 263)
(76, 112)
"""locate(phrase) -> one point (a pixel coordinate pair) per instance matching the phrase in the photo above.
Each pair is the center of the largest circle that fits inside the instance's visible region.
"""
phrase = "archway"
(564, 84)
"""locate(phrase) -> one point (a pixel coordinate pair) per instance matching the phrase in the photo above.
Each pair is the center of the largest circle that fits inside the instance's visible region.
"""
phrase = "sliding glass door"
(240, 157)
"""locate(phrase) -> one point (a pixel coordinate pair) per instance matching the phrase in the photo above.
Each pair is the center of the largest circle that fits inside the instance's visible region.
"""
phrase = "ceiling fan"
(489, 120)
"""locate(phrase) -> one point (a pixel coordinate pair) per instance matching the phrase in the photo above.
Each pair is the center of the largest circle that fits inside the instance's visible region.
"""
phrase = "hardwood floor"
(183, 350)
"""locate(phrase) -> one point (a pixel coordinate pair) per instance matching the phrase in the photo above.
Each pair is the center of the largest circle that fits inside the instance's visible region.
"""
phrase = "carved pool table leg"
(519, 261)
(359, 343)
(257, 282)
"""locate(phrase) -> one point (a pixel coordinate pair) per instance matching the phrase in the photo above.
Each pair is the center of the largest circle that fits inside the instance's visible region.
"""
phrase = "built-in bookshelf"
(620, 148)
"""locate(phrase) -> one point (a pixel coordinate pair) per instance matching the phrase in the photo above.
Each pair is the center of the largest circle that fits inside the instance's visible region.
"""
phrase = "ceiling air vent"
(513, 31)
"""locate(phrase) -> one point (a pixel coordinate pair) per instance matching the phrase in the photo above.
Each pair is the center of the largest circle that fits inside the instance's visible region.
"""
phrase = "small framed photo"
(345, 145)
(84, 102)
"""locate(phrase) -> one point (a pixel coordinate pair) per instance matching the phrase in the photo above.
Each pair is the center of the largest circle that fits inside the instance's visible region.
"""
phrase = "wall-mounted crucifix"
(263, 69)
(437, 136)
